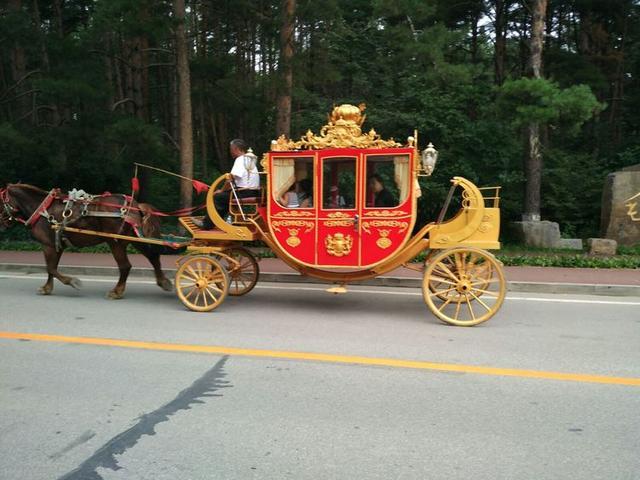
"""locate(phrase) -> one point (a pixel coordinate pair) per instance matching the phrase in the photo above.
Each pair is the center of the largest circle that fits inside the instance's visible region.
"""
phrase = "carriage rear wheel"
(202, 283)
(456, 279)
(244, 276)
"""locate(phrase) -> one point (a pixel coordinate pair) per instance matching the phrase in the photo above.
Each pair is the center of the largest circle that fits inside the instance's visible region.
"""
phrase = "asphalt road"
(73, 409)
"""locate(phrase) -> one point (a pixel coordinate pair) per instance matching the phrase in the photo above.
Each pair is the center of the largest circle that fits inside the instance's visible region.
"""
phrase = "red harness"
(42, 208)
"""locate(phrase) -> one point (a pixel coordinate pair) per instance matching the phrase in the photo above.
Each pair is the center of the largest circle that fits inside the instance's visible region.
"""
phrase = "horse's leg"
(154, 259)
(119, 251)
(52, 257)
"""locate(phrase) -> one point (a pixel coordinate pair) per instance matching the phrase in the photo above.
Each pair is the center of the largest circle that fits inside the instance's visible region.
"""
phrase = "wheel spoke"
(487, 292)
(480, 301)
(191, 292)
(441, 292)
(193, 273)
(213, 297)
(204, 296)
(484, 282)
(443, 280)
(473, 316)
(458, 307)
(449, 300)
(448, 272)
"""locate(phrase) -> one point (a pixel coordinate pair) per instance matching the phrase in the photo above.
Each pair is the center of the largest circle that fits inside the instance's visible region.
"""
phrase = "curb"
(384, 281)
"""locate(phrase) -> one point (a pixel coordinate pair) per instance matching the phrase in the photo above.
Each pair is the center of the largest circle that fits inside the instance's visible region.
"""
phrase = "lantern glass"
(429, 159)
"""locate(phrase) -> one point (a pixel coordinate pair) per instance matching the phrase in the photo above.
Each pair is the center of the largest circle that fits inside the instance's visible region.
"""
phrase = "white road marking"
(349, 290)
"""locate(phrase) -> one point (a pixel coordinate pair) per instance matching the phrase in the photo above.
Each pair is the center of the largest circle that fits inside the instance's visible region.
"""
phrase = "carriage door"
(338, 242)
(386, 216)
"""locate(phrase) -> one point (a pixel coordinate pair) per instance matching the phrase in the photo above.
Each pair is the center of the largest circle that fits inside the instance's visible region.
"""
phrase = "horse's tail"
(150, 222)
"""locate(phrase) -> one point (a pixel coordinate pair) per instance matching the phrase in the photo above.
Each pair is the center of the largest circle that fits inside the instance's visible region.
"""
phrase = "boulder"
(602, 246)
(571, 243)
(616, 222)
(539, 234)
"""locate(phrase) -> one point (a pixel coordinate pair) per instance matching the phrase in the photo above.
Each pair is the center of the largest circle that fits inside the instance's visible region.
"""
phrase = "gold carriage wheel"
(435, 284)
(455, 280)
(202, 283)
(243, 278)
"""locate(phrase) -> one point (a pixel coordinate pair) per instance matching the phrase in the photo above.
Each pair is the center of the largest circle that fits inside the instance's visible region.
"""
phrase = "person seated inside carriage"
(382, 197)
(245, 177)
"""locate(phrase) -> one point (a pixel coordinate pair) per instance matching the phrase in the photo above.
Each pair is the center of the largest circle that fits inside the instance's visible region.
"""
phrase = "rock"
(615, 221)
(540, 234)
(602, 246)
(571, 243)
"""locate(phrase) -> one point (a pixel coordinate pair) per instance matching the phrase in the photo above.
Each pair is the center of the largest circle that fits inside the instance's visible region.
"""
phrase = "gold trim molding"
(343, 130)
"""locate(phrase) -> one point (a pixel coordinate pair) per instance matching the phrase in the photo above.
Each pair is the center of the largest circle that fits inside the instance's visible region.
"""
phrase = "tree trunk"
(537, 36)
(500, 52)
(184, 101)
(283, 120)
(533, 167)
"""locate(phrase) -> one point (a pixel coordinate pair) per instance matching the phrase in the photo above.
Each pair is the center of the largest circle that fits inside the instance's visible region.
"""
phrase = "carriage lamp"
(429, 159)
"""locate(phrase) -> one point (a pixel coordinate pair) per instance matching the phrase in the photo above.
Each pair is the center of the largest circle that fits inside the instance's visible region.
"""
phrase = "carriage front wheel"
(464, 286)
(202, 283)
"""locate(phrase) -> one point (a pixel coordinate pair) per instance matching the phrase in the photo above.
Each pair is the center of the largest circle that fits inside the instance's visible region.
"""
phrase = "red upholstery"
(248, 200)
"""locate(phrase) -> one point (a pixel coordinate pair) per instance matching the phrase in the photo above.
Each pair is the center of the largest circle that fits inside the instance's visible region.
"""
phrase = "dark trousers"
(221, 202)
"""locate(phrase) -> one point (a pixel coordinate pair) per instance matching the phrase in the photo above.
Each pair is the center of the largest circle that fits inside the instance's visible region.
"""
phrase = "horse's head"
(8, 209)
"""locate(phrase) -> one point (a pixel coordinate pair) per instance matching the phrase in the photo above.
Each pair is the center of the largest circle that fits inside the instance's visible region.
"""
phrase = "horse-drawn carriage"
(357, 221)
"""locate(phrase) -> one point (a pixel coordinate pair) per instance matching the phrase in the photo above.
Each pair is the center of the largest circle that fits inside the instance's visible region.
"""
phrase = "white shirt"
(245, 172)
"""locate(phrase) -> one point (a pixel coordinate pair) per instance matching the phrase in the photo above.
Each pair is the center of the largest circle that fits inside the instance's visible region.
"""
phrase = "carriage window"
(388, 180)
(339, 183)
(292, 181)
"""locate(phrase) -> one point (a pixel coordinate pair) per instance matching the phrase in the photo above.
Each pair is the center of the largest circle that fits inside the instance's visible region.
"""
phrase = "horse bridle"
(8, 210)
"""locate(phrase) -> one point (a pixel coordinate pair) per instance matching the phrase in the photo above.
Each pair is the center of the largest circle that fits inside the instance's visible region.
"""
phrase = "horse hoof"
(166, 285)
(75, 283)
(44, 291)
(115, 295)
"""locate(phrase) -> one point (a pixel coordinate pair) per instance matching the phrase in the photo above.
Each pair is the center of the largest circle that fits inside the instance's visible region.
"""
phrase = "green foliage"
(424, 65)
(570, 261)
(538, 100)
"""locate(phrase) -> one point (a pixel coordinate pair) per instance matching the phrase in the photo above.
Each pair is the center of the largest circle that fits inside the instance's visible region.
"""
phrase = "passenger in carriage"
(246, 179)
(304, 189)
(290, 198)
(335, 200)
(382, 196)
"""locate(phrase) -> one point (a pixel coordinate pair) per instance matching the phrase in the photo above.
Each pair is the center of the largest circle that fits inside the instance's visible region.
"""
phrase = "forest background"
(88, 87)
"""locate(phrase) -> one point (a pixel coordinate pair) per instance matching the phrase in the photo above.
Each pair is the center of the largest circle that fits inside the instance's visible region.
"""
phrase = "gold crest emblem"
(383, 242)
(293, 240)
(338, 245)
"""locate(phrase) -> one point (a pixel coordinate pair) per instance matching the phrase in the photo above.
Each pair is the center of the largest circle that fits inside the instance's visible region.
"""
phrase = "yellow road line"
(328, 358)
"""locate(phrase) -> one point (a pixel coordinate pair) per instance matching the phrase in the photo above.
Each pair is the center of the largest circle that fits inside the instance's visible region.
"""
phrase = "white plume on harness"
(76, 195)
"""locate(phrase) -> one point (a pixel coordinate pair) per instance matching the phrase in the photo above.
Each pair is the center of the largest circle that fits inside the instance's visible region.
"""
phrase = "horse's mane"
(28, 187)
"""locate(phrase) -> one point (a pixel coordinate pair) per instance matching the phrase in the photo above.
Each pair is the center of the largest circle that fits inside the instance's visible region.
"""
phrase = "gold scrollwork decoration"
(366, 226)
(293, 213)
(307, 225)
(344, 129)
(385, 213)
(339, 244)
(338, 215)
(485, 227)
(338, 223)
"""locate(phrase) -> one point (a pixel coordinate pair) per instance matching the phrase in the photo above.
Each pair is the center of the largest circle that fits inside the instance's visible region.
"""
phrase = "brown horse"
(109, 213)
